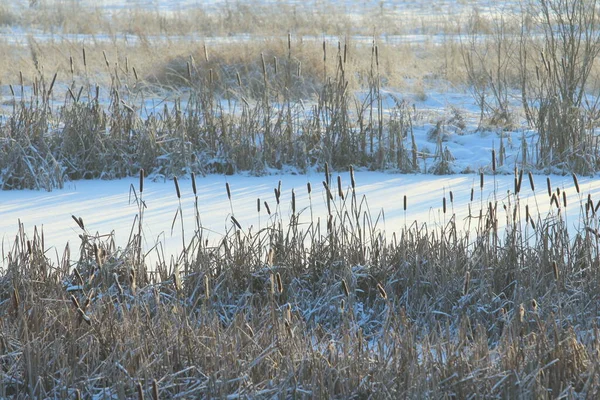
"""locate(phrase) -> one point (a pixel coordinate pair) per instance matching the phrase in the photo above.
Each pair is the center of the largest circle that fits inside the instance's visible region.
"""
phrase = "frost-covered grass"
(483, 284)
(319, 301)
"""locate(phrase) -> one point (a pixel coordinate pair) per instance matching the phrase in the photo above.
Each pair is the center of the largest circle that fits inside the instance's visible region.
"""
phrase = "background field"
(316, 199)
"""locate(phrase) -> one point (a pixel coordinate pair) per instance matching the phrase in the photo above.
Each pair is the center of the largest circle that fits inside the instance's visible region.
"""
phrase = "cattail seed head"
(340, 190)
(352, 181)
(466, 283)
(206, 287)
(345, 288)
(279, 283)
(493, 160)
(154, 390)
(194, 184)
(404, 203)
(228, 190)
(177, 188)
(481, 180)
(521, 313)
(141, 180)
(576, 182)
(549, 186)
(140, 391)
(531, 183)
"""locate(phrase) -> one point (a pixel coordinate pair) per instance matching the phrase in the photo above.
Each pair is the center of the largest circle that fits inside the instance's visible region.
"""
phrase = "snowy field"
(109, 207)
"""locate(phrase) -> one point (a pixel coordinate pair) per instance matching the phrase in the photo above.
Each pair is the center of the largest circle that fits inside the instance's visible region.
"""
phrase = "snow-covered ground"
(108, 206)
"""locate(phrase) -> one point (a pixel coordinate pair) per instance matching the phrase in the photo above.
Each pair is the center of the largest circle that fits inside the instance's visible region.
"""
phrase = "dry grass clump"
(332, 308)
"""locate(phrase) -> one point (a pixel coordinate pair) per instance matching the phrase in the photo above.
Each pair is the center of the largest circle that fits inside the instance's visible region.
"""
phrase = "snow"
(108, 206)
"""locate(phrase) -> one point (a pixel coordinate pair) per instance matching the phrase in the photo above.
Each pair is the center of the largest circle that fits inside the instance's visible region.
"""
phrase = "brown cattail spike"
(194, 184)
(228, 190)
(141, 180)
(279, 283)
(466, 283)
(140, 391)
(345, 288)
(576, 182)
(177, 187)
(549, 187)
(531, 183)
(155, 390)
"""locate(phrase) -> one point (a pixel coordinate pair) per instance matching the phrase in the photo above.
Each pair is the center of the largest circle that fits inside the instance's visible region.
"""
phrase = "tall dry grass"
(334, 308)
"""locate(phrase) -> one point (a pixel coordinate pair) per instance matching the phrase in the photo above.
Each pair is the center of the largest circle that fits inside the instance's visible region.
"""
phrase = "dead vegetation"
(330, 309)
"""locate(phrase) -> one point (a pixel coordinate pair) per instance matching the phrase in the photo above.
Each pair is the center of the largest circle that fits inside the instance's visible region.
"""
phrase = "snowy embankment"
(109, 206)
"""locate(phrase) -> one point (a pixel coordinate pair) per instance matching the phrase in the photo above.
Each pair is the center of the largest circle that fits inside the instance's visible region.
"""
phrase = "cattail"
(84, 58)
(279, 283)
(472, 193)
(549, 187)
(481, 180)
(493, 160)
(258, 205)
(154, 390)
(78, 221)
(267, 208)
(382, 292)
(287, 309)
(564, 196)
(228, 190)
(177, 187)
(276, 195)
(404, 203)
(531, 183)
(326, 164)
(293, 202)
(576, 182)
(521, 313)
(352, 181)
(444, 204)
(345, 288)
(206, 287)
(555, 270)
(308, 187)
(236, 223)
(340, 190)
(466, 283)
(141, 180)
(140, 391)
(194, 184)
(135, 74)
(520, 181)
(52, 84)
(451, 197)
(554, 200)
